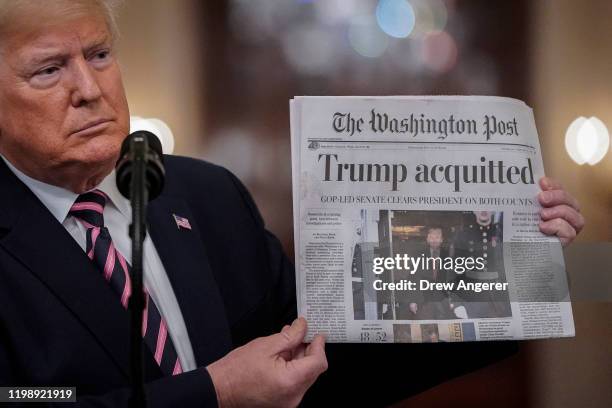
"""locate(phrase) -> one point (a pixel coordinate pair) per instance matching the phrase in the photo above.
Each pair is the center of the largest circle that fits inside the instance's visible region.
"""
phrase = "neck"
(484, 223)
(77, 179)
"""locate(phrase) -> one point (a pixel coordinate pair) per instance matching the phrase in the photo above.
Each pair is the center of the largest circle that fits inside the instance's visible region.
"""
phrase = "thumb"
(289, 338)
(314, 361)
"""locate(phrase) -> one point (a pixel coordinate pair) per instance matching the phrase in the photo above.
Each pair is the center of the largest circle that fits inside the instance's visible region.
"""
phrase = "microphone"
(140, 178)
(143, 147)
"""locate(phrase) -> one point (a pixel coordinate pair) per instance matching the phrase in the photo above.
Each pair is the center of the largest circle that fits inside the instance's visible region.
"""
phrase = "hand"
(273, 371)
(414, 308)
(561, 213)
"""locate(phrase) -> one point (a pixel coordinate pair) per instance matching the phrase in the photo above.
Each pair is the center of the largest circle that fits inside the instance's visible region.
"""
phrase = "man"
(216, 284)
(64, 116)
(433, 304)
(481, 237)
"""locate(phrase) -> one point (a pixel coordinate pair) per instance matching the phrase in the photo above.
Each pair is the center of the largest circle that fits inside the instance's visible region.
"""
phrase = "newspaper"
(416, 220)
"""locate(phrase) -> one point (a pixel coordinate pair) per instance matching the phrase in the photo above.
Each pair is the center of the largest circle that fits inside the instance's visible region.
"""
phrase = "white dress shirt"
(117, 218)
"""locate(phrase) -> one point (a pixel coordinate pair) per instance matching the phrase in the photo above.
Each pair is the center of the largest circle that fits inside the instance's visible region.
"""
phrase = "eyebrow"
(45, 56)
(102, 40)
(43, 59)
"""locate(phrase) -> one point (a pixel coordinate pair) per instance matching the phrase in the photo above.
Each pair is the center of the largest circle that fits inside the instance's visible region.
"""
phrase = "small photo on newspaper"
(416, 220)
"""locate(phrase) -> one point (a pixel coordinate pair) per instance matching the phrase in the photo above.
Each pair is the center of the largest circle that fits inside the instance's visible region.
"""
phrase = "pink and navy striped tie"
(89, 210)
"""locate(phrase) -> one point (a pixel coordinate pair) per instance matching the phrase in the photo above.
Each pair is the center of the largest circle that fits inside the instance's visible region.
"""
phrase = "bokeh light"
(587, 140)
(439, 51)
(395, 17)
(340, 11)
(366, 38)
(156, 126)
(430, 16)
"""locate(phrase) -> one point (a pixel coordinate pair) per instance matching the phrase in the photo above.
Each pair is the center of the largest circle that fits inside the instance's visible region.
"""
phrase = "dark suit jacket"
(62, 325)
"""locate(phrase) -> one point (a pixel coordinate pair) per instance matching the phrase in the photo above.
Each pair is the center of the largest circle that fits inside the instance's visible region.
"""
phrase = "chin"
(102, 152)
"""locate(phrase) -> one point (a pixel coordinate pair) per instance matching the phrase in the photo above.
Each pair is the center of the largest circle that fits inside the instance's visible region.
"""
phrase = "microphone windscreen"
(154, 164)
(152, 140)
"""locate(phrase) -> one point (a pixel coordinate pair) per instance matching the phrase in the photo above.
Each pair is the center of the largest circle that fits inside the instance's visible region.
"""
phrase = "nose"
(85, 84)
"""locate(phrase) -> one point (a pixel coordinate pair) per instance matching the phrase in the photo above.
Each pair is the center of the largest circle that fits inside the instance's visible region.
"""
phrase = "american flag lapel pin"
(181, 222)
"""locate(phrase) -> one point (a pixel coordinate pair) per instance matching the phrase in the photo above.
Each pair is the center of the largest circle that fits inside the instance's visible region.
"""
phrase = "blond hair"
(14, 12)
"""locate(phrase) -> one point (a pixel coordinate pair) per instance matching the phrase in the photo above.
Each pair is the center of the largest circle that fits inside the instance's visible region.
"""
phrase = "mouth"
(92, 127)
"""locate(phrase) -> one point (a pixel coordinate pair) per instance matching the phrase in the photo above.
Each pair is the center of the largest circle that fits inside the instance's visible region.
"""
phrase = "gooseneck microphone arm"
(140, 177)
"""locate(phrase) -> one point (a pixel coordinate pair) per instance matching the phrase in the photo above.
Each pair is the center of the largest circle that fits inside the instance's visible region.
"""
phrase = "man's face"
(483, 217)
(62, 104)
(434, 238)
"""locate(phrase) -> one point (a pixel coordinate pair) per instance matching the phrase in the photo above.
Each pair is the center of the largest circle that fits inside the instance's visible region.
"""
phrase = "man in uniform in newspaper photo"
(482, 237)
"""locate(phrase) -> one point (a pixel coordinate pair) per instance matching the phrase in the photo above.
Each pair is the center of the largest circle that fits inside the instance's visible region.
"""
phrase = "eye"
(46, 77)
(101, 55)
(48, 71)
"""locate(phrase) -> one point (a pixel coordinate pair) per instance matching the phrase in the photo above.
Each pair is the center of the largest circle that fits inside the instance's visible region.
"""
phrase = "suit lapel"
(184, 257)
(35, 238)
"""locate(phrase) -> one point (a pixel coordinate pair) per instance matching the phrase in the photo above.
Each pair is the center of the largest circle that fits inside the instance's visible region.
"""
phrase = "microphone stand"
(139, 199)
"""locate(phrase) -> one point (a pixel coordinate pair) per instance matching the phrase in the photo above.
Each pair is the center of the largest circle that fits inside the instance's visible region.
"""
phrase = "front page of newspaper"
(416, 220)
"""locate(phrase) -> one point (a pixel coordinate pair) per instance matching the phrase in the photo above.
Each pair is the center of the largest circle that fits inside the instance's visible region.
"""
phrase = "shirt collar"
(109, 186)
(58, 200)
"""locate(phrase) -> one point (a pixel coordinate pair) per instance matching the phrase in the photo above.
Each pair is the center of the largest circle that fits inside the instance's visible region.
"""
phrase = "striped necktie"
(89, 210)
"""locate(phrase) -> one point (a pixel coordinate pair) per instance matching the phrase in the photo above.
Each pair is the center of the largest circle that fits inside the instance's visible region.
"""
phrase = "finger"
(549, 183)
(287, 354)
(573, 217)
(287, 339)
(551, 198)
(316, 350)
(316, 346)
(314, 361)
(560, 228)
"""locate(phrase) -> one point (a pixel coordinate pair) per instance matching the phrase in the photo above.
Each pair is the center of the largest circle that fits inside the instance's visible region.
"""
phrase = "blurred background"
(221, 73)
